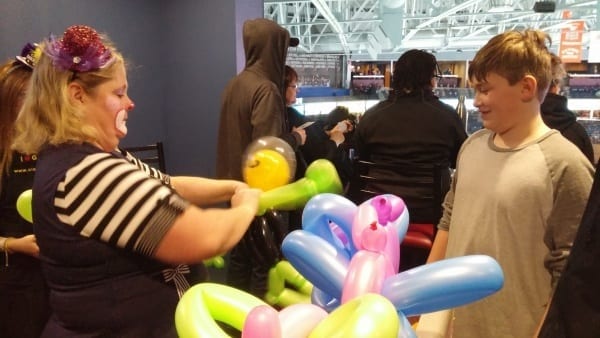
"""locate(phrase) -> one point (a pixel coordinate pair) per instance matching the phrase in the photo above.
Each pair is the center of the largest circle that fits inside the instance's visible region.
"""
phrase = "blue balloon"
(405, 330)
(316, 260)
(323, 300)
(444, 284)
(327, 207)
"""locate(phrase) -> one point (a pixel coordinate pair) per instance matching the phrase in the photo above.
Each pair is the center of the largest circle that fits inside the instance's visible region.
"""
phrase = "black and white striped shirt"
(120, 201)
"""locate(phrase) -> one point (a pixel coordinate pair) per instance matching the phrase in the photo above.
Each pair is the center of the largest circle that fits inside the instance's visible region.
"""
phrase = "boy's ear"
(529, 88)
(76, 92)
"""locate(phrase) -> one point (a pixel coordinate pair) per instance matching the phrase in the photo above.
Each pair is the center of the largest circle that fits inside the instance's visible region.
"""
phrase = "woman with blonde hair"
(114, 234)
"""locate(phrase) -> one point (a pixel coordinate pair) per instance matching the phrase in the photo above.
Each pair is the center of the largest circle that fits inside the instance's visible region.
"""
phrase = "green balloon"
(321, 177)
(203, 304)
(369, 315)
(217, 262)
(24, 205)
(286, 286)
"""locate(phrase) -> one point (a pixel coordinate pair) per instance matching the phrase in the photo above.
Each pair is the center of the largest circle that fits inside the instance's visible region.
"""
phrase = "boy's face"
(498, 102)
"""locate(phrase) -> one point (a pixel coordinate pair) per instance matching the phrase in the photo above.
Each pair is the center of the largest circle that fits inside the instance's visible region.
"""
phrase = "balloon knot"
(374, 226)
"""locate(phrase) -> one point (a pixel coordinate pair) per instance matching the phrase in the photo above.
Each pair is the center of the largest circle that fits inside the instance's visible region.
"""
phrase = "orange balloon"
(266, 169)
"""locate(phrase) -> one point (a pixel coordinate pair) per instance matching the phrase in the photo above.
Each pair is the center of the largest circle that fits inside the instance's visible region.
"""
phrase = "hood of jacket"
(265, 46)
(555, 112)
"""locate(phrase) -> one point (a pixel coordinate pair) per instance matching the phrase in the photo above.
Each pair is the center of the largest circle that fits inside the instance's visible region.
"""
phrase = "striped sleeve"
(109, 199)
(151, 171)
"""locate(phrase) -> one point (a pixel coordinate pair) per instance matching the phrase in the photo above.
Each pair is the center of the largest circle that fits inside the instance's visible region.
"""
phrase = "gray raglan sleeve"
(572, 178)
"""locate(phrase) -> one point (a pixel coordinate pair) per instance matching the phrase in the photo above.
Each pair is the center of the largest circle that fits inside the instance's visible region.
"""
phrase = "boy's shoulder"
(482, 135)
(557, 148)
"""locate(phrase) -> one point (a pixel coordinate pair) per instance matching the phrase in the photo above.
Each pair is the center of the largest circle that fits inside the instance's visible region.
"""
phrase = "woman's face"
(291, 91)
(107, 107)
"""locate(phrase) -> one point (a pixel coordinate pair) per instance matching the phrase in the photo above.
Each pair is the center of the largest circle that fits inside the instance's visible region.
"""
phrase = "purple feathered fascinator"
(79, 50)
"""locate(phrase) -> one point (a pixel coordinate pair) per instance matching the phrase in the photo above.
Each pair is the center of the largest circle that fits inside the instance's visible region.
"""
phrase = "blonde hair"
(513, 55)
(48, 116)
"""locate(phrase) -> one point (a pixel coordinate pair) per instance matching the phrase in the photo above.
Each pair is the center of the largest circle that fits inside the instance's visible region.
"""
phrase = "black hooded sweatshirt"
(557, 116)
(252, 103)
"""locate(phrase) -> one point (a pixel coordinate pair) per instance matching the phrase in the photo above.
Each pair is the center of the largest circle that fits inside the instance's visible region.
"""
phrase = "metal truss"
(382, 29)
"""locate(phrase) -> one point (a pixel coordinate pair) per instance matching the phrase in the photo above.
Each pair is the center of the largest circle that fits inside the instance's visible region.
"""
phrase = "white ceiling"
(383, 29)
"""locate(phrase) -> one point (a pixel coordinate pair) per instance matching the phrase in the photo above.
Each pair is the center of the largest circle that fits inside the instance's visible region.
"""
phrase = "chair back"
(421, 186)
(151, 154)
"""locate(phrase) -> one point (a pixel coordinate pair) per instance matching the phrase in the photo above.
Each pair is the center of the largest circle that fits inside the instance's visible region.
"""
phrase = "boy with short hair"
(519, 189)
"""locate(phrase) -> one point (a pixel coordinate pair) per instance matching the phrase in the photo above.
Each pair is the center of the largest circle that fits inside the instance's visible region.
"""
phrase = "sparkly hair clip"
(30, 55)
(79, 50)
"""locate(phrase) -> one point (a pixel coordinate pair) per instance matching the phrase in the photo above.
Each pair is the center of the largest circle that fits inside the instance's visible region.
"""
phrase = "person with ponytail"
(23, 292)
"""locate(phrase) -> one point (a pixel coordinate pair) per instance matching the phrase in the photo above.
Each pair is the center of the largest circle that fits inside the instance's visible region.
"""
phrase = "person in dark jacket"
(252, 107)
(321, 142)
(324, 138)
(411, 127)
(574, 310)
(557, 116)
(23, 291)
(252, 103)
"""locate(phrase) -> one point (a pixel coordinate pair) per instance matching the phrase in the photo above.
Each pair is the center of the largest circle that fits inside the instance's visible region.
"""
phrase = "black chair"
(152, 154)
(422, 187)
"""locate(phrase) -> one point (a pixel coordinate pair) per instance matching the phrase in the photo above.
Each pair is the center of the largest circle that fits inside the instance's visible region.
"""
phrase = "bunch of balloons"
(269, 164)
(204, 305)
(364, 260)
(350, 254)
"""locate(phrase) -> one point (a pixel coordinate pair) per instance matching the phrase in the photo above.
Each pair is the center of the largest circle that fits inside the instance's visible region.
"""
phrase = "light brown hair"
(513, 55)
(13, 82)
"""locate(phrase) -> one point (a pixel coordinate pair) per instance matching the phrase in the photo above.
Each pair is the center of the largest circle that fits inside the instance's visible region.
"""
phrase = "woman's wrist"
(4, 244)
(4, 247)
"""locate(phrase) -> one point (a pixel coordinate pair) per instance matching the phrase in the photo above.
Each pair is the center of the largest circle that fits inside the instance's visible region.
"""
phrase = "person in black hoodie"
(252, 107)
(557, 116)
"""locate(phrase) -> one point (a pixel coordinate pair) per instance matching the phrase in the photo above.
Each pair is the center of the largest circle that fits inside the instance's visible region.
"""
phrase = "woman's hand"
(302, 133)
(336, 136)
(247, 197)
(25, 245)
(344, 126)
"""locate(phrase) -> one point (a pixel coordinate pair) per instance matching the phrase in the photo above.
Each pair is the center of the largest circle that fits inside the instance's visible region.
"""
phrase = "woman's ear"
(76, 92)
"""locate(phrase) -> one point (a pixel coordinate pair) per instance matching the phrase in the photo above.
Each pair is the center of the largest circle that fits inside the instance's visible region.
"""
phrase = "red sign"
(569, 50)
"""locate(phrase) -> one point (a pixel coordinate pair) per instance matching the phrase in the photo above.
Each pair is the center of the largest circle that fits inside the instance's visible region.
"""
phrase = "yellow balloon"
(266, 169)
(370, 315)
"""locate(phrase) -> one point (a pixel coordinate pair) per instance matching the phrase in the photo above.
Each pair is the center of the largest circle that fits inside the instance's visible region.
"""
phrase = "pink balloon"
(383, 208)
(298, 320)
(374, 238)
(262, 322)
(366, 273)
(386, 208)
